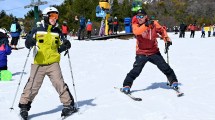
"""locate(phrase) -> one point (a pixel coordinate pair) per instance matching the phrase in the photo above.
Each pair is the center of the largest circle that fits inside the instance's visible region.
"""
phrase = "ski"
(178, 92)
(17, 48)
(130, 95)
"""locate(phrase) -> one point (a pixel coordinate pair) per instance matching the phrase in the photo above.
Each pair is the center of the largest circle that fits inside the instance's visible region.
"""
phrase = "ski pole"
(73, 82)
(167, 55)
(166, 52)
(11, 108)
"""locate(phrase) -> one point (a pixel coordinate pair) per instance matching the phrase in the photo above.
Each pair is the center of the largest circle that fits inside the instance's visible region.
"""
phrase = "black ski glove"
(65, 46)
(30, 42)
(149, 23)
(167, 44)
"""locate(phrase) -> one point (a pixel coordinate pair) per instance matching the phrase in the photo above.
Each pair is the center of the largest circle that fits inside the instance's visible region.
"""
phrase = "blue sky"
(16, 7)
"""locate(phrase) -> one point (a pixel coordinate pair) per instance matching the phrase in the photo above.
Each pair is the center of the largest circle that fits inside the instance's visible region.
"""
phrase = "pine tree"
(115, 8)
(5, 20)
(126, 8)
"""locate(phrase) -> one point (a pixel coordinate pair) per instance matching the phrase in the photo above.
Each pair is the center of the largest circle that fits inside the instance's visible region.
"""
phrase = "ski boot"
(175, 85)
(24, 113)
(68, 110)
(125, 90)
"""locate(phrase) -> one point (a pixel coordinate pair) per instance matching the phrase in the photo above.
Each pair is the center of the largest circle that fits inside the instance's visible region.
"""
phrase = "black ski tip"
(180, 94)
(134, 98)
(138, 99)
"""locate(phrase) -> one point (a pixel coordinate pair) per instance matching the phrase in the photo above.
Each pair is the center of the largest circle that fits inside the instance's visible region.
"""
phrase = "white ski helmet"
(48, 10)
(46, 13)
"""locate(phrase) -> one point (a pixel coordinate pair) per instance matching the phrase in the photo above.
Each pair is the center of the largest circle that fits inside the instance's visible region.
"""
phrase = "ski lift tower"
(105, 5)
(36, 11)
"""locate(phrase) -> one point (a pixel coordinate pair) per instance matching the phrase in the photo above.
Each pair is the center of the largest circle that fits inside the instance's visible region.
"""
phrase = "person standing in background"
(89, 28)
(214, 30)
(182, 29)
(175, 29)
(110, 25)
(203, 31)
(115, 25)
(209, 30)
(65, 29)
(5, 49)
(15, 31)
(75, 30)
(81, 30)
(192, 28)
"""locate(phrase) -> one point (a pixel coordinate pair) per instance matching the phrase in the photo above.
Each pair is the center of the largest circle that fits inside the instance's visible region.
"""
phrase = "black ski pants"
(88, 34)
(209, 33)
(81, 33)
(14, 40)
(140, 62)
(192, 34)
(203, 34)
(182, 34)
(3, 68)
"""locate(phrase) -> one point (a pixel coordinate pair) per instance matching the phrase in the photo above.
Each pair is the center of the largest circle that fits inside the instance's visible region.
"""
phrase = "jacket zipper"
(150, 34)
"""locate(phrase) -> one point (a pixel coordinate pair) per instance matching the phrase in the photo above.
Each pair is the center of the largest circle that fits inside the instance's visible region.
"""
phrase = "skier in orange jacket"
(147, 49)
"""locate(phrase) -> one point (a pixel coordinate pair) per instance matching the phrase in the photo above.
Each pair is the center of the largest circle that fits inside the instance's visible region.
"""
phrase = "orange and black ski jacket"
(146, 37)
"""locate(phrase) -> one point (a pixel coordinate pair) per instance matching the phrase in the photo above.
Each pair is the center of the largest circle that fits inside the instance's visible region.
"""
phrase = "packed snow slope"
(99, 66)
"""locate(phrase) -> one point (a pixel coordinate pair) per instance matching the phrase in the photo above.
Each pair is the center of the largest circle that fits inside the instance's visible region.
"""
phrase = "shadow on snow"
(156, 85)
(18, 73)
(60, 107)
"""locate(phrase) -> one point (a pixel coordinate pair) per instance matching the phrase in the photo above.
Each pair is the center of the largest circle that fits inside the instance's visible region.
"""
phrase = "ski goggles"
(53, 16)
(140, 16)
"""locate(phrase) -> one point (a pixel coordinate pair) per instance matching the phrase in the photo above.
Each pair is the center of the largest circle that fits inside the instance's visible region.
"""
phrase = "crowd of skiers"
(113, 24)
(88, 27)
(182, 28)
(84, 26)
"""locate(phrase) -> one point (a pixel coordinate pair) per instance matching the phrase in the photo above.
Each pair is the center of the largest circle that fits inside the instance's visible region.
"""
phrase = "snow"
(98, 66)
